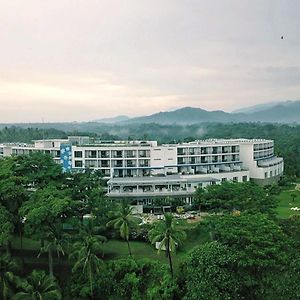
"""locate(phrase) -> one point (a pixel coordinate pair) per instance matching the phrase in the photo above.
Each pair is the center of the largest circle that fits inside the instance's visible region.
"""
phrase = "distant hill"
(285, 112)
(113, 120)
(185, 116)
(255, 108)
(276, 112)
(260, 107)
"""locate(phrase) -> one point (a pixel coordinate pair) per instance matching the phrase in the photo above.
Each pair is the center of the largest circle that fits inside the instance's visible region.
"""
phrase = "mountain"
(184, 116)
(255, 108)
(260, 107)
(113, 120)
(274, 112)
(285, 112)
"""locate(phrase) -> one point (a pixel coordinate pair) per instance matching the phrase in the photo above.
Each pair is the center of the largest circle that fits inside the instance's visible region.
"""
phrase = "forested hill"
(282, 112)
(186, 115)
(287, 137)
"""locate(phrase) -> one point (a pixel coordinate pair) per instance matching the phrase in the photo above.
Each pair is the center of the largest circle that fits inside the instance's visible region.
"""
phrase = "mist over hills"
(276, 112)
(113, 119)
(287, 112)
(184, 116)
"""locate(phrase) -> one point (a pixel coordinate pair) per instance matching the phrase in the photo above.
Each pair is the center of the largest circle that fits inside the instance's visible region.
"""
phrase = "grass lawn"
(285, 203)
(118, 249)
(115, 249)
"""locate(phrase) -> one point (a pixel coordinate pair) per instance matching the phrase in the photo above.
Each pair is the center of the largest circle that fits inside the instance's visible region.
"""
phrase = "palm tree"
(86, 259)
(8, 280)
(124, 221)
(38, 286)
(57, 241)
(168, 235)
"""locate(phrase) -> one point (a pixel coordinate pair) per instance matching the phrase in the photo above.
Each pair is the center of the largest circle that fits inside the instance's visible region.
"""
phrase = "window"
(224, 179)
(266, 174)
(78, 153)
(78, 163)
(235, 179)
(90, 154)
(245, 178)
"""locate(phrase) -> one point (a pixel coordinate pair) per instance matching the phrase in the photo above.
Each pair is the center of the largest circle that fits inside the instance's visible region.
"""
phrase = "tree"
(230, 196)
(8, 280)
(12, 192)
(85, 254)
(166, 233)
(209, 272)
(124, 221)
(38, 286)
(38, 170)
(261, 247)
(86, 190)
(57, 242)
(6, 226)
(44, 213)
(291, 227)
(141, 279)
(294, 195)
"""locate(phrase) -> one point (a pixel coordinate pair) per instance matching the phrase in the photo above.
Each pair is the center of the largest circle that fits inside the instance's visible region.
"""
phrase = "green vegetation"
(288, 199)
(246, 248)
(168, 236)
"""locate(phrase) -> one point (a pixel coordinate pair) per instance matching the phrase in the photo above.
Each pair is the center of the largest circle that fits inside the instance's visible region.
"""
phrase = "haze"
(87, 59)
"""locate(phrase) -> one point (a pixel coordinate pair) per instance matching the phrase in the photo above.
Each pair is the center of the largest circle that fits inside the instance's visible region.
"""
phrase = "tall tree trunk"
(169, 256)
(8, 248)
(129, 248)
(91, 283)
(21, 245)
(50, 262)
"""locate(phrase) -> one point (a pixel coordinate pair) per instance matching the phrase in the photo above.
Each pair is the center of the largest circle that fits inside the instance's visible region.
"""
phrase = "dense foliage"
(235, 196)
(248, 254)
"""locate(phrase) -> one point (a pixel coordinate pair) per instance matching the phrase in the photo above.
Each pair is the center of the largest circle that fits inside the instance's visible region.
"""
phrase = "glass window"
(78, 153)
(78, 163)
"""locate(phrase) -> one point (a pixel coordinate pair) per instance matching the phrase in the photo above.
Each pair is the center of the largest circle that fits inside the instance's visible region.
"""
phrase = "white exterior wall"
(49, 143)
(164, 157)
(256, 172)
(189, 159)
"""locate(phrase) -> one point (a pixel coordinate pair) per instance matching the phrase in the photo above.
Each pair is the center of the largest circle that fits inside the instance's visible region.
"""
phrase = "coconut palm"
(8, 280)
(166, 233)
(38, 286)
(124, 221)
(57, 241)
(86, 258)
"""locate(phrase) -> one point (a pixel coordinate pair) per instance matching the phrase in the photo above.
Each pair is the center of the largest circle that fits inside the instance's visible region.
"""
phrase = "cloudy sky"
(66, 60)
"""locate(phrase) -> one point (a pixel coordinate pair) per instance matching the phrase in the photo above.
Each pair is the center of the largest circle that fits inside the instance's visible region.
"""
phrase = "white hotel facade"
(144, 170)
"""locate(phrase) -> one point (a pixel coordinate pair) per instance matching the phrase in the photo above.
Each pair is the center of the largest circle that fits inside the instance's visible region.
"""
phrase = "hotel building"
(144, 170)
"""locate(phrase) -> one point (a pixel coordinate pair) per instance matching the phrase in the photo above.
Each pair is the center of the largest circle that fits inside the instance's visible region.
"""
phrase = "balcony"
(144, 165)
(131, 165)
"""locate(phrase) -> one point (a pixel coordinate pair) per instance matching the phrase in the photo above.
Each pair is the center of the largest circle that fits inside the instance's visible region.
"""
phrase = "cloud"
(81, 60)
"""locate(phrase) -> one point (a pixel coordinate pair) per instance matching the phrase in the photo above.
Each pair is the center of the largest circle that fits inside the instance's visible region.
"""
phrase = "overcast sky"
(66, 60)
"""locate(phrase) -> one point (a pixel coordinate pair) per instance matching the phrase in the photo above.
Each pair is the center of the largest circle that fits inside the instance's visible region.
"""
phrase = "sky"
(81, 60)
